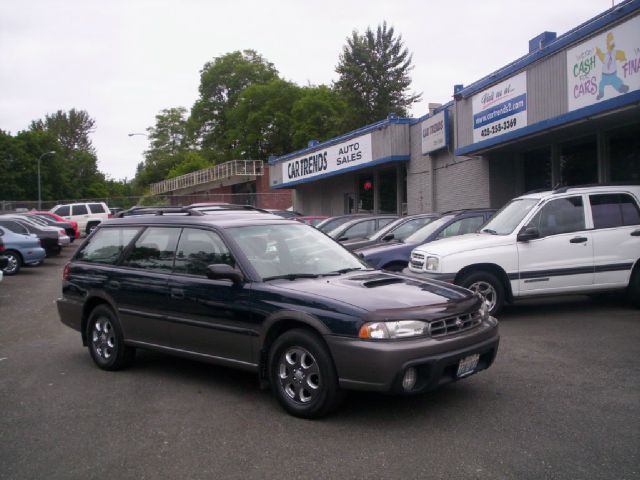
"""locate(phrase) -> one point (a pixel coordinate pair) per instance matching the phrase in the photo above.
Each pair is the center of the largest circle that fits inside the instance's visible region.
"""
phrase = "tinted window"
(80, 210)
(63, 211)
(96, 208)
(198, 249)
(407, 228)
(106, 245)
(613, 210)
(460, 227)
(154, 250)
(15, 227)
(563, 215)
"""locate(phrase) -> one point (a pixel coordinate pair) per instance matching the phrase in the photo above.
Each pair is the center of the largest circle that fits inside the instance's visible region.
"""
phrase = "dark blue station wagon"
(273, 296)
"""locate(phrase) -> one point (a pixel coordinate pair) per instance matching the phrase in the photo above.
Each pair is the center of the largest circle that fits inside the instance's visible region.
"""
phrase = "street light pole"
(141, 134)
(52, 152)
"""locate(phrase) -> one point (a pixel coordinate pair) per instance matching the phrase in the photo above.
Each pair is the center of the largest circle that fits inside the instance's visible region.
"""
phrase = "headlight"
(397, 329)
(432, 263)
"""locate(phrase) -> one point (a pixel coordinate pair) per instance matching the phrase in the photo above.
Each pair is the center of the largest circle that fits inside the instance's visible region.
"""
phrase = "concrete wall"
(325, 196)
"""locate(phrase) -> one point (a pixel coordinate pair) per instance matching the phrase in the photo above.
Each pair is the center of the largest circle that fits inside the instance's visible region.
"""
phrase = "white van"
(567, 241)
(88, 215)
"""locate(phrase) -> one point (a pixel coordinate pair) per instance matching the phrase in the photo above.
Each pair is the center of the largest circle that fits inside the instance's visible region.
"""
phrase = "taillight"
(66, 273)
(1, 248)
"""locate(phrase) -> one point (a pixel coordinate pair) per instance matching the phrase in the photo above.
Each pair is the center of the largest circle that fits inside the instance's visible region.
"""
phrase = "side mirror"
(388, 237)
(343, 239)
(222, 271)
(528, 233)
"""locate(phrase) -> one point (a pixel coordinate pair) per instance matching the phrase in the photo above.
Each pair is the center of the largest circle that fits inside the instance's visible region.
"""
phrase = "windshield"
(509, 217)
(293, 250)
(421, 235)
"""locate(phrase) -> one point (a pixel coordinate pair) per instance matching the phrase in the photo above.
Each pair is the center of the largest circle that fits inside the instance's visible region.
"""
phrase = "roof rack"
(157, 211)
(463, 210)
(565, 188)
(227, 206)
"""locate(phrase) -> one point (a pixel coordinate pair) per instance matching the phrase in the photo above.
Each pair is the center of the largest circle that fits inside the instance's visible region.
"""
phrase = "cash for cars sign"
(604, 66)
(333, 158)
(434, 132)
(500, 109)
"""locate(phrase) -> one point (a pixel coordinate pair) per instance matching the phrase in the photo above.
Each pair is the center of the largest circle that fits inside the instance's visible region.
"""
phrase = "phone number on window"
(498, 127)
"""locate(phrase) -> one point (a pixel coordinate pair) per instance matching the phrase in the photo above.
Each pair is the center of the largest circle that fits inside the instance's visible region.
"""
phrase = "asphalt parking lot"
(561, 401)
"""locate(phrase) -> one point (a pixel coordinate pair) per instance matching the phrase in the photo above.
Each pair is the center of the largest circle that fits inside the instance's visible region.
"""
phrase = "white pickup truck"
(567, 241)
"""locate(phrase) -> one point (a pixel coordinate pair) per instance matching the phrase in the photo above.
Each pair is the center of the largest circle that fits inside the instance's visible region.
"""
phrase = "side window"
(564, 215)
(614, 210)
(154, 250)
(106, 245)
(96, 208)
(359, 230)
(407, 228)
(198, 249)
(80, 210)
(63, 211)
(384, 222)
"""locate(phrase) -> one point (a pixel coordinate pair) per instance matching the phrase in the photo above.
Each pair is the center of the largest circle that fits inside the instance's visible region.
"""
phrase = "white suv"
(88, 215)
(570, 240)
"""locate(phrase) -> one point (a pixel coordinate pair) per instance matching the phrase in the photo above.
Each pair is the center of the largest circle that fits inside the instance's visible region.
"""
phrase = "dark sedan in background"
(399, 229)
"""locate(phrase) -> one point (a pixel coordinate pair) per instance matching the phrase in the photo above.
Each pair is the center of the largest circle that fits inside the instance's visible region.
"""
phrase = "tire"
(302, 375)
(489, 286)
(14, 263)
(105, 340)
(91, 227)
(633, 290)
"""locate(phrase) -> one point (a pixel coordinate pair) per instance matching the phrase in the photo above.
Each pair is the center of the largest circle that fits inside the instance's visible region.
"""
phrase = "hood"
(464, 243)
(388, 296)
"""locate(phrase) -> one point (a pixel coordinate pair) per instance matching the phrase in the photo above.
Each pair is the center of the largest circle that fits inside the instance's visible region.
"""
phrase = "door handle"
(177, 293)
(113, 284)
(635, 233)
(578, 240)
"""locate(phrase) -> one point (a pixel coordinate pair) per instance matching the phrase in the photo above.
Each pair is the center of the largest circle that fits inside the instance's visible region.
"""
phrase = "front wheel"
(105, 340)
(633, 290)
(302, 374)
(488, 286)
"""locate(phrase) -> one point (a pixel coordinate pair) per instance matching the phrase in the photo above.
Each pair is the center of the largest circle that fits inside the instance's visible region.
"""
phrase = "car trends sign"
(333, 158)
(605, 66)
(500, 109)
(434, 132)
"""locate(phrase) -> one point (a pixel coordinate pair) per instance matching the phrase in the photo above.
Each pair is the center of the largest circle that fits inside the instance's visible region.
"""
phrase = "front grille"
(452, 325)
(417, 256)
(418, 265)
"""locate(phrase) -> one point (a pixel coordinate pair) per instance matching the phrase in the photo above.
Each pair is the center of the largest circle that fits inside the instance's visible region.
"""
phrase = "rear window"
(63, 211)
(80, 210)
(106, 245)
(614, 210)
(97, 208)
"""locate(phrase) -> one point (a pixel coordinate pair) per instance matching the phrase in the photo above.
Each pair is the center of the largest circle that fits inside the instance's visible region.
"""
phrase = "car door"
(80, 214)
(140, 285)
(209, 317)
(561, 259)
(616, 237)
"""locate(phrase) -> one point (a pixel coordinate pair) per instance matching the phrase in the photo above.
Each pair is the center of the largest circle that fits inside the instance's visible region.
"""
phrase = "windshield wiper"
(346, 270)
(488, 230)
(291, 276)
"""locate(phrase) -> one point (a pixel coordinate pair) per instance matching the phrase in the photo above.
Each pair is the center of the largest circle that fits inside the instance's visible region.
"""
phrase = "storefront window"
(624, 149)
(388, 191)
(365, 193)
(579, 162)
(537, 169)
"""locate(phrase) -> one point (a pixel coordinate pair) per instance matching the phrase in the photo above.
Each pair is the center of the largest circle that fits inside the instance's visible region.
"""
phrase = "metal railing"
(233, 168)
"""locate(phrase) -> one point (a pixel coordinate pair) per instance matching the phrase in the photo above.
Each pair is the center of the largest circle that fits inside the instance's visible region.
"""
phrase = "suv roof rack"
(464, 210)
(157, 211)
(226, 206)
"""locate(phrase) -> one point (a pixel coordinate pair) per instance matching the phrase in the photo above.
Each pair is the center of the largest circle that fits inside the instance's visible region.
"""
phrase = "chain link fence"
(275, 200)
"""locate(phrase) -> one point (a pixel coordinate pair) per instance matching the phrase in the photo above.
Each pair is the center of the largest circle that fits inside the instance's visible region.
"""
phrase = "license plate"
(467, 365)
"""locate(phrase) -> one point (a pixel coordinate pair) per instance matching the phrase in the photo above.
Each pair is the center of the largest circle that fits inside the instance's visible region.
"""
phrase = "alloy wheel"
(487, 291)
(103, 338)
(299, 375)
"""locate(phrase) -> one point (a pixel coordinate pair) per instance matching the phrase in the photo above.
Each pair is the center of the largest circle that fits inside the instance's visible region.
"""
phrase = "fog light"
(409, 379)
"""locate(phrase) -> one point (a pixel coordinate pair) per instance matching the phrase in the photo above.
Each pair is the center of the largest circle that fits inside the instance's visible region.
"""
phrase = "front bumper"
(422, 275)
(380, 365)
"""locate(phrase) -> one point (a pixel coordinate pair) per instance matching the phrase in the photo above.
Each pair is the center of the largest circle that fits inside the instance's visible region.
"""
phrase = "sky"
(125, 61)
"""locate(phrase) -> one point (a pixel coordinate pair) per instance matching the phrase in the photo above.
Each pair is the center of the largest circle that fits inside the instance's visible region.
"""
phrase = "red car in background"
(58, 218)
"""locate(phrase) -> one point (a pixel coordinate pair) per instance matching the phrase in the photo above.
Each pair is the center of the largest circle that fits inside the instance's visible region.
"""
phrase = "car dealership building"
(567, 113)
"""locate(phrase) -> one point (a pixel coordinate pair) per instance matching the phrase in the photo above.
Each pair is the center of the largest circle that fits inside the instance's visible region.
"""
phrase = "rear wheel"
(487, 285)
(633, 290)
(302, 374)
(14, 262)
(91, 226)
(105, 340)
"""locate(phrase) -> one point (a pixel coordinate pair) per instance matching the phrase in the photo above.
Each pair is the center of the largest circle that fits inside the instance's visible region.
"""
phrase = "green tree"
(374, 77)
(72, 129)
(317, 115)
(221, 83)
(188, 162)
(261, 121)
